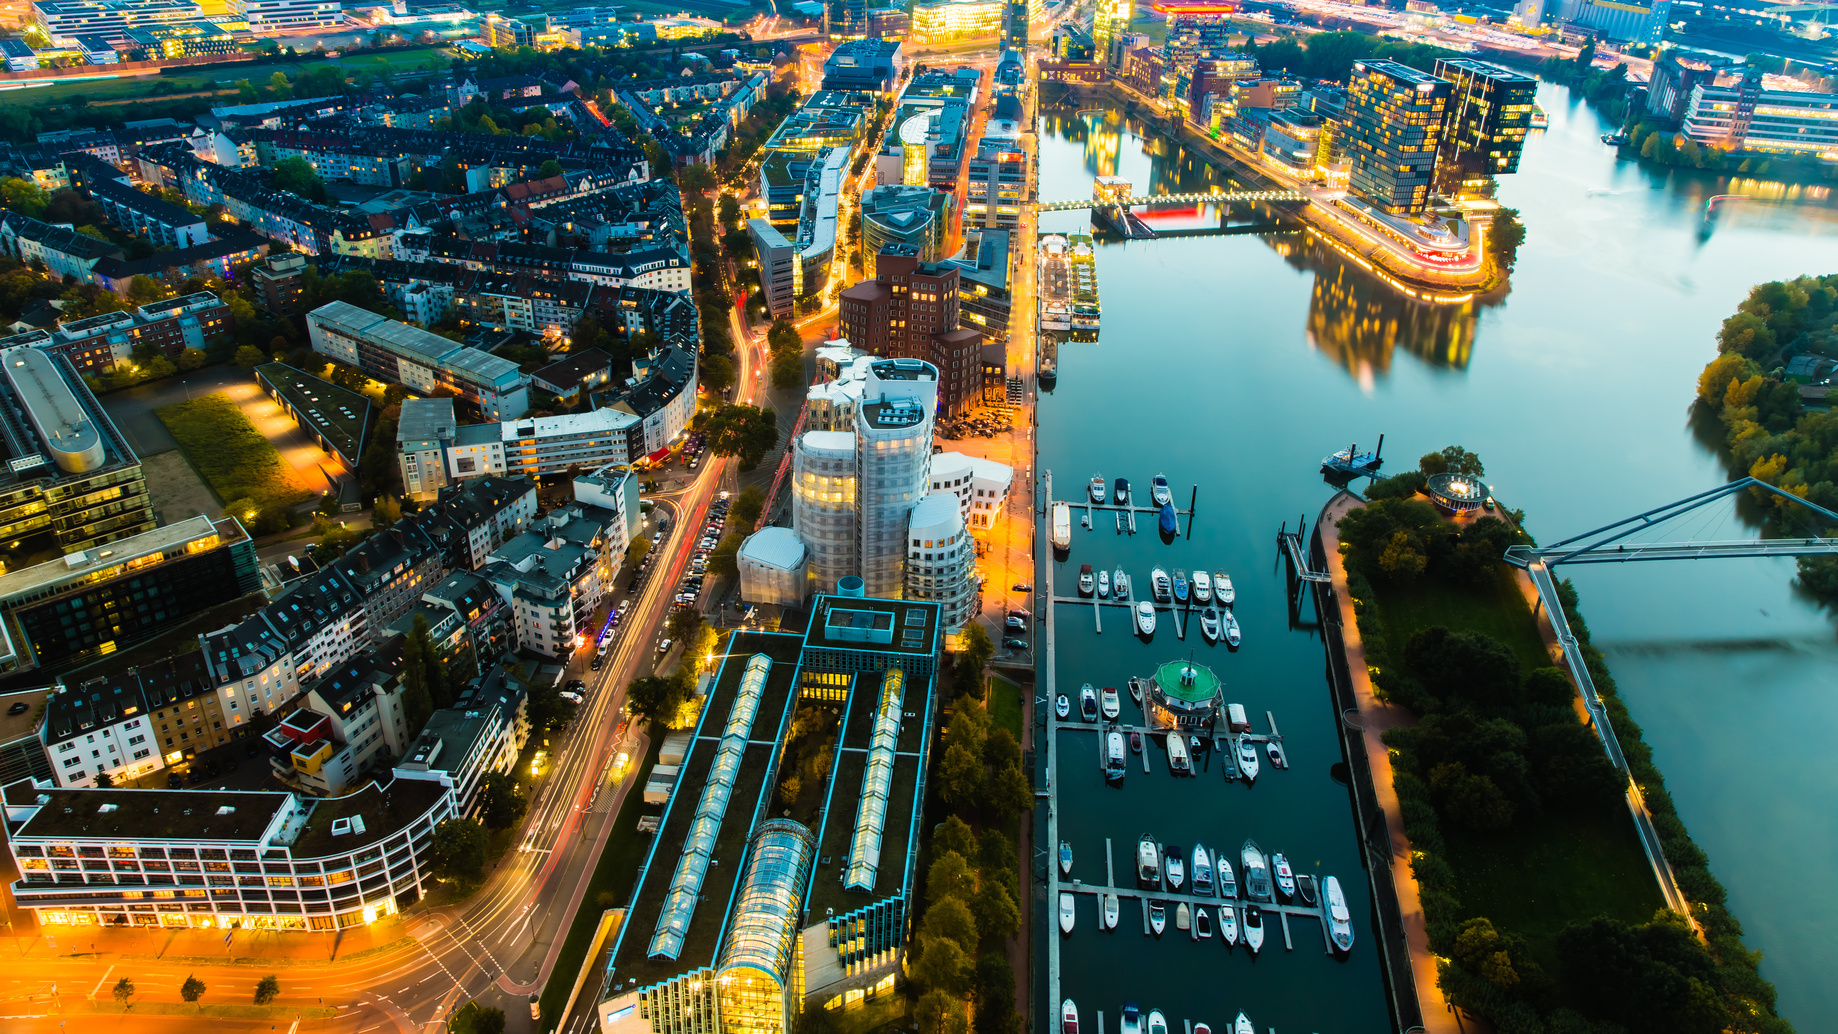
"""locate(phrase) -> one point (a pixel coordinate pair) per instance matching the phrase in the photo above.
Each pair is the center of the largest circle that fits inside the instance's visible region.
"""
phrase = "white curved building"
(774, 568)
(893, 431)
(981, 485)
(823, 499)
(941, 558)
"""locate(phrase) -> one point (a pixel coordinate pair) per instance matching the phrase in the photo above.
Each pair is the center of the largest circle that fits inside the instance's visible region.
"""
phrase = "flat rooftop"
(631, 965)
(384, 809)
(104, 815)
(341, 416)
(30, 580)
(876, 625)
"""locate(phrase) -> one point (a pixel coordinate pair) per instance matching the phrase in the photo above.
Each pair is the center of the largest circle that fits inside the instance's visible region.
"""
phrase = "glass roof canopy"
(877, 777)
(699, 844)
(767, 908)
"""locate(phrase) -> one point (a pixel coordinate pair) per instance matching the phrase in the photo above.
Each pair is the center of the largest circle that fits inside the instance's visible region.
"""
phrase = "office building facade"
(910, 310)
(1483, 131)
(1393, 127)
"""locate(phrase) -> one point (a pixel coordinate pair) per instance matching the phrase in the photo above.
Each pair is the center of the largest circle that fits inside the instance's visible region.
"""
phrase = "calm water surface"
(1235, 363)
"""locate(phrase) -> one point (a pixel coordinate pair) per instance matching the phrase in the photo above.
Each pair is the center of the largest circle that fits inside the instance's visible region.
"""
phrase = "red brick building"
(909, 311)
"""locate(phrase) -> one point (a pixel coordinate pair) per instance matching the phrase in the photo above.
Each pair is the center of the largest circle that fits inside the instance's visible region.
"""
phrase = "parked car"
(595, 663)
(1022, 587)
(1018, 614)
(1015, 644)
(663, 646)
(572, 697)
(1016, 624)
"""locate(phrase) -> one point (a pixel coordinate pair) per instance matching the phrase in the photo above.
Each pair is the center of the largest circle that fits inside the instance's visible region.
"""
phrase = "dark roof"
(236, 244)
(569, 373)
(153, 815)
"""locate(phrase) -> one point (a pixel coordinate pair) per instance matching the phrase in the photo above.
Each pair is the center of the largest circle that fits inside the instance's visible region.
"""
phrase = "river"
(1236, 362)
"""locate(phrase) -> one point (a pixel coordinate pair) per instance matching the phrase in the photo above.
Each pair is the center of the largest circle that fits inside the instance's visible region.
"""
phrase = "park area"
(237, 461)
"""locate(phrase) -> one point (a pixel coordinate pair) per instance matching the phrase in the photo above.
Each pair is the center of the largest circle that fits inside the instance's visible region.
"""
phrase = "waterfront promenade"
(1374, 718)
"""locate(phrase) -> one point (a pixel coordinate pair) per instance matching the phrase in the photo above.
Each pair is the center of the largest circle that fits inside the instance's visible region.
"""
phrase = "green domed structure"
(1186, 695)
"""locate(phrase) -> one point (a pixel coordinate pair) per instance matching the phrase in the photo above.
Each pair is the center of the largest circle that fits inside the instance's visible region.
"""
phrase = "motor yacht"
(1179, 763)
(1062, 706)
(1111, 909)
(1256, 873)
(1161, 585)
(1202, 923)
(1158, 917)
(1113, 756)
(1275, 750)
(1232, 636)
(1166, 521)
(1209, 624)
(1088, 703)
(1121, 491)
(1339, 920)
(1222, 875)
(1062, 527)
(1157, 1024)
(1305, 889)
(1110, 704)
(1202, 586)
(1065, 858)
(1285, 876)
(1066, 914)
(1145, 617)
(1253, 928)
(1243, 1025)
(1104, 585)
(1180, 585)
(1228, 925)
(1247, 758)
(1174, 867)
(1158, 490)
(1202, 871)
(1148, 862)
(1222, 588)
(1068, 1017)
(1086, 581)
(1097, 489)
(1120, 585)
(1132, 1019)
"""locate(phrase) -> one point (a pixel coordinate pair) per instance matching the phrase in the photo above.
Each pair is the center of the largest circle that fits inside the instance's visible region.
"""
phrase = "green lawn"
(229, 453)
(618, 869)
(1005, 705)
(1539, 876)
(137, 88)
(1499, 610)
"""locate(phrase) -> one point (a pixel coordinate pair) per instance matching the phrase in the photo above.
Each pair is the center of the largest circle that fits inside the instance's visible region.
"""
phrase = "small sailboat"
(1222, 588)
(1202, 871)
(1243, 1025)
(1121, 491)
(1085, 580)
(1305, 889)
(1068, 1017)
(1157, 1023)
(1180, 585)
(1158, 917)
(1088, 703)
(1161, 585)
(1228, 925)
(1104, 585)
(1202, 923)
(1253, 928)
(1120, 585)
(1232, 636)
(1097, 488)
(1158, 490)
(1285, 876)
(1209, 624)
(1202, 586)
(1222, 875)
(1256, 874)
(1066, 914)
(1145, 617)
(1174, 868)
(1132, 1019)
(1247, 758)
(1065, 858)
(1062, 706)
(1110, 704)
(1339, 920)
(1183, 917)
(1111, 909)
(1275, 750)
(1166, 521)
(1148, 862)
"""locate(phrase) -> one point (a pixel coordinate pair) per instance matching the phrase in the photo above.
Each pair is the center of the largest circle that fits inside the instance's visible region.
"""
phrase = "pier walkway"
(1227, 197)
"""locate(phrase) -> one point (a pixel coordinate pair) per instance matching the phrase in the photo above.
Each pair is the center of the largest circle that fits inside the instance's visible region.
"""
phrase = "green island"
(1540, 904)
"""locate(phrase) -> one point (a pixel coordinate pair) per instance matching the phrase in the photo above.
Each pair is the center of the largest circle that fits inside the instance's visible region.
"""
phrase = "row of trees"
(786, 347)
(192, 990)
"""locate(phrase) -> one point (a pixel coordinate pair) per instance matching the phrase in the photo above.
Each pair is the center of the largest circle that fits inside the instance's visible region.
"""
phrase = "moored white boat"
(1247, 758)
(1228, 925)
(1161, 585)
(1066, 913)
(1110, 703)
(1179, 761)
(1158, 490)
(1097, 488)
(1243, 1025)
(1305, 889)
(1181, 587)
(1062, 527)
(1068, 1017)
(1121, 491)
(1088, 703)
(1174, 867)
(1222, 875)
(1202, 586)
(1114, 766)
(1256, 873)
(1232, 636)
(1145, 617)
(1253, 928)
(1120, 585)
(1222, 588)
(1158, 917)
(1202, 922)
(1339, 920)
(1285, 876)
(1132, 1019)
(1209, 624)
(1062, 706)
(1202, 871)
(1111, 910)
(1183, 916)
(1275, 750)
(1148, 862)
(1103, 584)
(1157, 1024)
(1065, 858)
(1086, 582)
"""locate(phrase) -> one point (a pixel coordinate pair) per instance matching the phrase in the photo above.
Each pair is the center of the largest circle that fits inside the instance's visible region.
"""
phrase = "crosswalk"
(1017, 393)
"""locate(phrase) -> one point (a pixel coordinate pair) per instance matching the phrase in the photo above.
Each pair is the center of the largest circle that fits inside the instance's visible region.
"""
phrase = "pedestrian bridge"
(1175, 199)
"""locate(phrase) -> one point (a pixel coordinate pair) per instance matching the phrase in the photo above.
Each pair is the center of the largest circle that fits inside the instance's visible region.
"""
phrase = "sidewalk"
(1375, 718)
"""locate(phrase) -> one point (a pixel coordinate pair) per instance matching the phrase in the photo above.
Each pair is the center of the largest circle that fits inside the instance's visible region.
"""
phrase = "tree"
(549, 169)
(949, 876)
(474, 1018)
(787, 370)
(954, 834)
(1008, 793)
(724, 560)
(950, 918)
(143, 289)
(655, 700)
(718, 373)
(192, 359)
(996, 912)
(297, 175)
(971, 660)
(939, 1011)
(1001, 750)
(748, 432)
(25, 197)
(636, 552)
(505, 800)
(249, 357)
(1470, 666)
(457, 850)
(384, 512)
(943, 965)
(192, 989)
(1473, 801)
(267, 989)
(960, 776)
(124, 991)
(729, 209)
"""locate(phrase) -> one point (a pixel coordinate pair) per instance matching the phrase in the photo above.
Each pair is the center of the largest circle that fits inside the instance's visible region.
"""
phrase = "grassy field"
(1005, 705)
(1499, 610)
(618, 870)
(207, 77)
(234, 459)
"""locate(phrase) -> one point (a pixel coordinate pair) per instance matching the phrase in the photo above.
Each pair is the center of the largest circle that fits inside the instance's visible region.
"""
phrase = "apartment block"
(424, 361)
(910, 310)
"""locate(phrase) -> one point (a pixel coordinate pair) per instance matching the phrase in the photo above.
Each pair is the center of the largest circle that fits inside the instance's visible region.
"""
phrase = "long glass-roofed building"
(772, 885)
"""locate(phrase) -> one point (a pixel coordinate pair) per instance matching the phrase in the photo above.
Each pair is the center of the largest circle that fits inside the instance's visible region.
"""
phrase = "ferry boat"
(1066, 913)
(1068, 1017)
(1202, 586)
(1148, 862)
(1256, 875)
(1062, 527)
(1202, 871)
(1158, 490)
(1247, 758)
(1180, 585)
(1145, 617)
(1253, 928)
(1088, 703)
(1065, 858)
(1104, 585)
(1179, 762)
(1097, 488)
(1120, 584)
(1285, 876)
(1209, 624)
(1113, 756)
(1228, 925)
(1085, 581)
(1121, 491)
(1158, 921)
(1111, 704)
(1082, 259)
(1055, 284)
(1111, 909)
(1222, 587)
(1232, 635)
(1161, 585)
(1222, 875)
(1339, 920)
(1166, 521)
